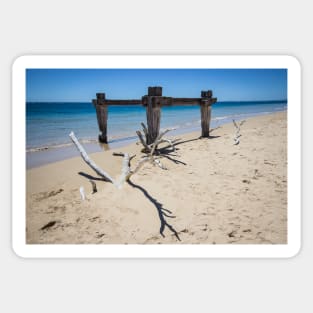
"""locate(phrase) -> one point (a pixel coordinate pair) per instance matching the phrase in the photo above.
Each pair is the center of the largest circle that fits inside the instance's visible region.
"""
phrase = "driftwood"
(82, 193)
(152, 148)
(126, 171)
(237, 134)
(90, 162)
(152, 154)
(143, 142)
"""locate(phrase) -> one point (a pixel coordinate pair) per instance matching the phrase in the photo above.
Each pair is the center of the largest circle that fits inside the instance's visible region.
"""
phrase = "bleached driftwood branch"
(82, 193)
(151, 150)
(90, 162)
(158, 140)
(171, 144)
(153, 147)
(97, 169)
(143, 142)
(237, 134)
(126, 171)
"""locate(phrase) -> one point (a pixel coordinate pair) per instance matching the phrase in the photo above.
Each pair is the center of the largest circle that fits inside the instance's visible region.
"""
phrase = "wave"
(112, 139)
(56, 146)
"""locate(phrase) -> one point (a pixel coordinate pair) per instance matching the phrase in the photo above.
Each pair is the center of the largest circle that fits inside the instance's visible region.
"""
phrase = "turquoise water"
(48, 124)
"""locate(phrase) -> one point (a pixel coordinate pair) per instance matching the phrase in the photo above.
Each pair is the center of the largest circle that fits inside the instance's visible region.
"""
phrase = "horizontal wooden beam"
(123, 102)
(164, 101)
(186, 101)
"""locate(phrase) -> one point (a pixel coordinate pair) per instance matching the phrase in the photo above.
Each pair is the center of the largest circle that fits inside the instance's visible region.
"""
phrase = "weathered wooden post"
(102, 116)
(206, 108)
(153, 103)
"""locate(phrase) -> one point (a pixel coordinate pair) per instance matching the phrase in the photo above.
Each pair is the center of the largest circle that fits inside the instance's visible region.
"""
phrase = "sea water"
(49, 124)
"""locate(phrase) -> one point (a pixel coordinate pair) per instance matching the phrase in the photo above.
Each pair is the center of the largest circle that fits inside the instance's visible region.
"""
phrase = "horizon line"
(82, 101)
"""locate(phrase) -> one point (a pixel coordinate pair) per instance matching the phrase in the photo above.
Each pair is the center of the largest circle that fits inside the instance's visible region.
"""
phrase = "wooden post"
(102, 116)
(153, 111)
(206, 108)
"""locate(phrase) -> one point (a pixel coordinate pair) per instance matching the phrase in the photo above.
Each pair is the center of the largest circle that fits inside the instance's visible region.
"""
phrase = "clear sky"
(71, 85)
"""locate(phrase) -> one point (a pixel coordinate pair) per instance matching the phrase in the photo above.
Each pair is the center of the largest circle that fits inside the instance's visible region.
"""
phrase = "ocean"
(49, 124)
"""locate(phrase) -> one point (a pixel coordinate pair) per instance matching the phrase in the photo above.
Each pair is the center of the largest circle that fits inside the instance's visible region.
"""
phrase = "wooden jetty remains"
(153, 102)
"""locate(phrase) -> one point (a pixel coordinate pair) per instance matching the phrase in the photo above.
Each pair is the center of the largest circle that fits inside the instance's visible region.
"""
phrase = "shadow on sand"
(161, 211)
(194, 139)
(91, 177)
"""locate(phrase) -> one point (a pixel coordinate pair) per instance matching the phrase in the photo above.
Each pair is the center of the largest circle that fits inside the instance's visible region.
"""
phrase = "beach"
(213, 192)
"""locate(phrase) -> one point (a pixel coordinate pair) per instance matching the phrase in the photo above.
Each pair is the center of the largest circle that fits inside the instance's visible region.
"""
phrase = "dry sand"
(215, 193)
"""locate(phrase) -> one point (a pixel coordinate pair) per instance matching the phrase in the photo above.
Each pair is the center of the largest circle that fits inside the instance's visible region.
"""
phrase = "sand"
(214, 193)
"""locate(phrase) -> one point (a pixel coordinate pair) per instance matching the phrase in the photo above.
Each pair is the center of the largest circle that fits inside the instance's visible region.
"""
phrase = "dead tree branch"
(126, 171)
(237, 134)
(90, 162)
(145, 129)
(143, 142)
(152, 148)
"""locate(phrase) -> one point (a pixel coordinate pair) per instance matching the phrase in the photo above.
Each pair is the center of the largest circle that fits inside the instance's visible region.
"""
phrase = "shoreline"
(213, 192)
(37, 157)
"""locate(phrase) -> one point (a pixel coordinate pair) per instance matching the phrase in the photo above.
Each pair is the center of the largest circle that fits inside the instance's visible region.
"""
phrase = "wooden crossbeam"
(162, 101)
(123, 102)
(186, 101)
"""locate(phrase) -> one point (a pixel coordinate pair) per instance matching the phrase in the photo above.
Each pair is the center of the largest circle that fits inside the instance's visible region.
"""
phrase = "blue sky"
(71, 85)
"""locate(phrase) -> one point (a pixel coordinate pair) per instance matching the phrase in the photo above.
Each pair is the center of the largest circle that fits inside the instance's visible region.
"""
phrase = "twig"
(170, 142)
(139, 165)
(82, 193)
(157, 141)
(145, 129)
(143, 142)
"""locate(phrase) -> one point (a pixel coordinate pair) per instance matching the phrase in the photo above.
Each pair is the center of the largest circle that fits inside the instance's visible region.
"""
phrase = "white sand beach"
(213, 192)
